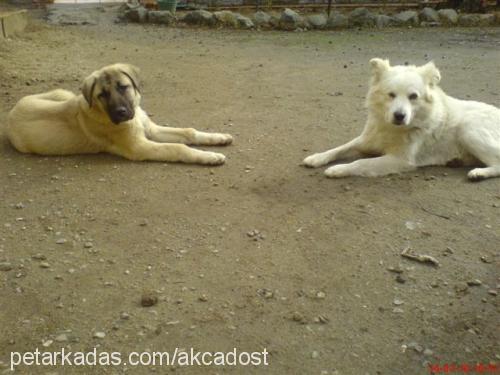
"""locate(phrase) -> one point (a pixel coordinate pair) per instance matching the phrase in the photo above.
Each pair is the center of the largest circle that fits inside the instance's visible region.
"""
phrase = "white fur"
(432, 129)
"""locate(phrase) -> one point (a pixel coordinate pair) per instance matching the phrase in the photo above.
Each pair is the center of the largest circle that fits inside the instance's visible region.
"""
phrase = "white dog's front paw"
(478, 174)
(315, 161)
(337, 171)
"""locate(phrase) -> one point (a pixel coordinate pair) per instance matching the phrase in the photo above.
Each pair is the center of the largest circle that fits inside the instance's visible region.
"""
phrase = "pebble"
(39, 256)
(397, 302)
(475, 282)
(428, 352)
(493, 292)
(321, 319)
(397, 310)
(149, 299)
(61, 338)
(203, 298)
(298, 317)
(124, 316)
(44, 265)
(99, 335)
(61, 241)
(320, 295)
(395, 269)
(314, 354)
(400, 279)
(5, 266)
(88, 245)
(415, 346)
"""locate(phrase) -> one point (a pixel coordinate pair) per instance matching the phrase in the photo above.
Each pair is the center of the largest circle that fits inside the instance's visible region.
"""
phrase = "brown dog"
(106, 117)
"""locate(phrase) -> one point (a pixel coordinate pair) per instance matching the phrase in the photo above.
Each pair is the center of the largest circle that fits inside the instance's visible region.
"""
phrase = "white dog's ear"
(379, 67)
(430, 73)
(88, 88)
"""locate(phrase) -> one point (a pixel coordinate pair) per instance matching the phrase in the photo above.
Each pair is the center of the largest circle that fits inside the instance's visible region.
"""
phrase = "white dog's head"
(401, 95)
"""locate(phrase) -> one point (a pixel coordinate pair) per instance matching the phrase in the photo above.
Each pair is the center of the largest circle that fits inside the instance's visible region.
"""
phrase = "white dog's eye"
(412, 96)
(392, 95)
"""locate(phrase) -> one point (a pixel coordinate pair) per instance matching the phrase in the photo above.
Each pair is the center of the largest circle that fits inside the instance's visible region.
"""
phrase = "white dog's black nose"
(399, 118)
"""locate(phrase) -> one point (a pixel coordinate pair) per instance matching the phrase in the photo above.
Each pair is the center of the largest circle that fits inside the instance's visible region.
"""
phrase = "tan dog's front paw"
(213, 158)
(223, 139)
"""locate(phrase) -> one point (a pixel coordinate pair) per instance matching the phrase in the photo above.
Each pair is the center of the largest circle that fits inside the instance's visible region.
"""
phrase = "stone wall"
(293, 21)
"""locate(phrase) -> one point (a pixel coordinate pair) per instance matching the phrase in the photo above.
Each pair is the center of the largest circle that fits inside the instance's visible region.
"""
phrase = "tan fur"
(106, 117)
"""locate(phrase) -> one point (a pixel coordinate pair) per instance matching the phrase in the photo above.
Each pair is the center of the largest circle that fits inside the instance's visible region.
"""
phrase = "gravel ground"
(258, 253)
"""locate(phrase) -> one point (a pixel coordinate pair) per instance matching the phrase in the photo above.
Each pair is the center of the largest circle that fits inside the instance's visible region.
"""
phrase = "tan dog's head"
(113, 91)
(402, 95)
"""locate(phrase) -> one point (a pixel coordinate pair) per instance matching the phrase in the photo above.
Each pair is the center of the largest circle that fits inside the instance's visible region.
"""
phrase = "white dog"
(413, 123)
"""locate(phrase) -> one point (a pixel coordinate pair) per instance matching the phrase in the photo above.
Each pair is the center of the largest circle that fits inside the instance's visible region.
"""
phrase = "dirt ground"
(87, 236)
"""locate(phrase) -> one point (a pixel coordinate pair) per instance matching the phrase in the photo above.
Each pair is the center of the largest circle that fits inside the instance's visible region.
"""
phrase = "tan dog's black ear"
(379, 67)
(88, 88)
(132, 72)
(430, 73)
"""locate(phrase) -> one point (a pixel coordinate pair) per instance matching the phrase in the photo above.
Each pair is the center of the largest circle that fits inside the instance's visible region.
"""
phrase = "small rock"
(99, 335)
(400, 279)
(44, 265)
(418, 348)
(321, 319)
(493, 292)
(298, 317)
(314, 354)
(397, 302)
(428, 352)
(149, 299)
(203, 298)
(395, 269)
(61, 241)
(475, 282)
(124, 316)
(39, 256)
(5, 266)
(61, 338)
(320, 295)
(88, 245)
